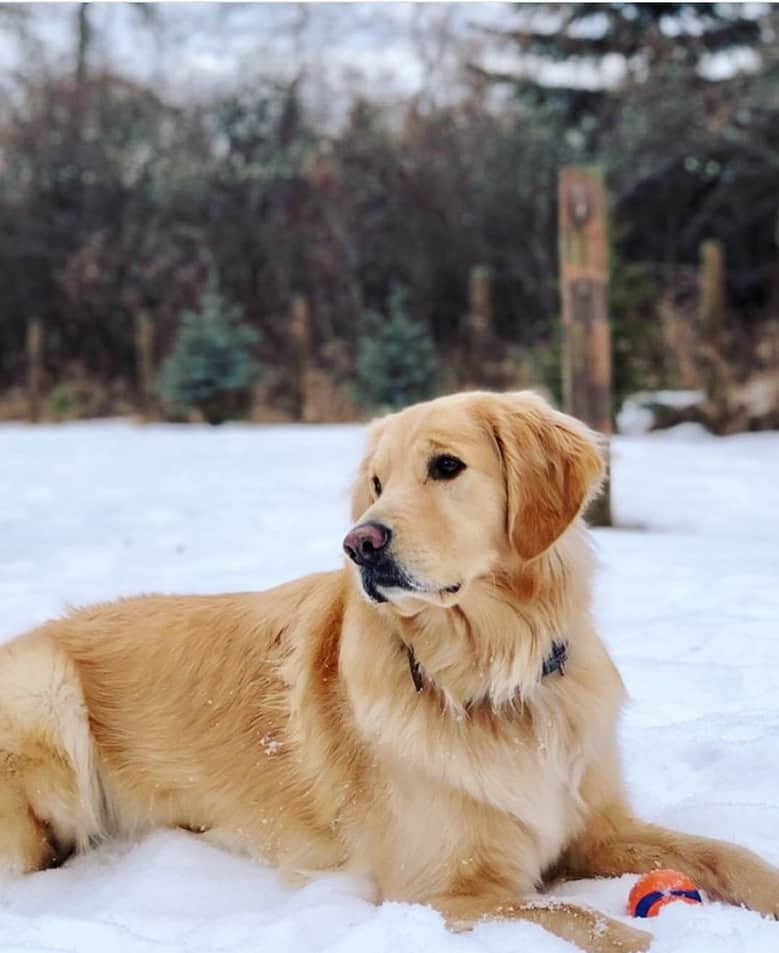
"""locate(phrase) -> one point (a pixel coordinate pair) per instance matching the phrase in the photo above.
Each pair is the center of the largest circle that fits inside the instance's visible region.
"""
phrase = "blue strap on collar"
(555, 661)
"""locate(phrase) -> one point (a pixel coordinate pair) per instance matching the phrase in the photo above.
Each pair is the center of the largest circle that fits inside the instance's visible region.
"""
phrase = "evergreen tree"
(676, 139)
(664, 48)
(211, 368)
(396, 359)
(651, 37)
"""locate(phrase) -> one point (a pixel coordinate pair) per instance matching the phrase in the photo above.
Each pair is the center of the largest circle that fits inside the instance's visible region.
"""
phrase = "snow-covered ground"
(688, 601)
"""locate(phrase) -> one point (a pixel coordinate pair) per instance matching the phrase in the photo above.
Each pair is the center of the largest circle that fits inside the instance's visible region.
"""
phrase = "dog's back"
(157, 711)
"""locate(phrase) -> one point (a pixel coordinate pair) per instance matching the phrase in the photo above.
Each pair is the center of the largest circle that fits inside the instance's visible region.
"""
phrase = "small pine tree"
(396, 359)
(211, 368)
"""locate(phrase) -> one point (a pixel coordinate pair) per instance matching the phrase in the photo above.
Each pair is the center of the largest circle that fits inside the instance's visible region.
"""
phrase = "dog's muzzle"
(368, 546)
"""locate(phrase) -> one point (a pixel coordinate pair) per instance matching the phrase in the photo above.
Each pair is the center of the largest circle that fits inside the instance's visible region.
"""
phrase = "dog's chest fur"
(502, 783)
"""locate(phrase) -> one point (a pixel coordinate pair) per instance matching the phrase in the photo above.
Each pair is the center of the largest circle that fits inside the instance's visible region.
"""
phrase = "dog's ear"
(552, 466)
(362, 496)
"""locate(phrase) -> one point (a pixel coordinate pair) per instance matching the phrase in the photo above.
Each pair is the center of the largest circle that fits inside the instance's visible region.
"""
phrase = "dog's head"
(461, 487)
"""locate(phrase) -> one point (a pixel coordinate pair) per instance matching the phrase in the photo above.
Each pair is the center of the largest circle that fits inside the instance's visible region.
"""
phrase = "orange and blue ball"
(655, 890)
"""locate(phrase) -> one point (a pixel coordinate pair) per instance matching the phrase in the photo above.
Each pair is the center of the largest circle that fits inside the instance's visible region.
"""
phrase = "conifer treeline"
(115, 202)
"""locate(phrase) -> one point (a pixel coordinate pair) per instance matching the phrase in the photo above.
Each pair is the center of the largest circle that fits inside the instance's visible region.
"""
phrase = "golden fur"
(285, 724)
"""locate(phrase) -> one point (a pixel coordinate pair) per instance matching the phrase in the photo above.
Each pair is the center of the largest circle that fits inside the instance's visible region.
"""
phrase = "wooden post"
(584, 274)
(34, 368)
(712, 288)
(300, 330)
(712, 317)
(144, 347)
(479, 321)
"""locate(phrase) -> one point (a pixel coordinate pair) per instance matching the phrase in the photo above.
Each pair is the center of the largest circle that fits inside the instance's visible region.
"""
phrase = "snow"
(638, 413)
(634, 419)
(687, 599)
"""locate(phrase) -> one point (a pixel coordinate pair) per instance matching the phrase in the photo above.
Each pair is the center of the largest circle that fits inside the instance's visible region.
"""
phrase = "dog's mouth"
(381, 583)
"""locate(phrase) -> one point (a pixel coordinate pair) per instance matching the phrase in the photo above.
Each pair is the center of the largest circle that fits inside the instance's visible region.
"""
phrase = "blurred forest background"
(310, 212)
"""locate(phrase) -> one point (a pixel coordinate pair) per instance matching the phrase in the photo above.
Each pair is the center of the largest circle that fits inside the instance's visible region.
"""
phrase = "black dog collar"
(554, 662)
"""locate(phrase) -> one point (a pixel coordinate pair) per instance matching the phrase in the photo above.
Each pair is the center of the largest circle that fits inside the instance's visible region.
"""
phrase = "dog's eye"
(445, 467)
(377, 486)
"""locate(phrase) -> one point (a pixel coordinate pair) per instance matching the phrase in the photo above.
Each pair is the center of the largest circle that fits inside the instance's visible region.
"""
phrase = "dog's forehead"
(446, 424)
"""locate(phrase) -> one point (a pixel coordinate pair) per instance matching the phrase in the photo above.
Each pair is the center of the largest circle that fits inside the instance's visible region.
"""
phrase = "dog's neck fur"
(491, 648)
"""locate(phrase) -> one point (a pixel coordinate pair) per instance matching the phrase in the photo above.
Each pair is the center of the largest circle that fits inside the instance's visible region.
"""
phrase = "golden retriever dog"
(439, 714)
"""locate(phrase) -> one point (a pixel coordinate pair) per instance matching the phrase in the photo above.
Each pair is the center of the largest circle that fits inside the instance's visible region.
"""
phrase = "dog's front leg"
(615, 843)
(587, 929)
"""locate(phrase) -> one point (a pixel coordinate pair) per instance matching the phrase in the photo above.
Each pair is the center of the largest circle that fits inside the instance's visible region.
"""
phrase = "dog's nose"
(366, 542)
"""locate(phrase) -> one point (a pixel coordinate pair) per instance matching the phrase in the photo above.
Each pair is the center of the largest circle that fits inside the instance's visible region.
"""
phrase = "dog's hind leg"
(587, 929)
(50, 801)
